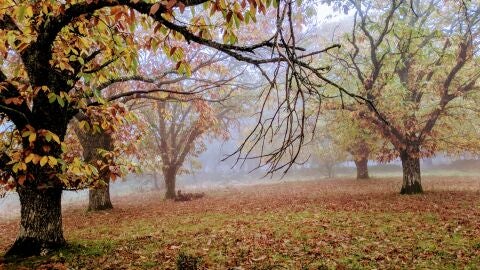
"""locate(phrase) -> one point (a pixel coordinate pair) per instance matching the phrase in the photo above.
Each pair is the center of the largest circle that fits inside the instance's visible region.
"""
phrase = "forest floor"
(325, 224)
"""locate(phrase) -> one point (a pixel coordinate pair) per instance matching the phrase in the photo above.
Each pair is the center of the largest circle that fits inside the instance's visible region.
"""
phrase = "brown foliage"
(254, 226)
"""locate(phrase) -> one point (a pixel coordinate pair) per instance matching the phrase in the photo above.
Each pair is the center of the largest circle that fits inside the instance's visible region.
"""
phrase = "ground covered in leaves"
(325, 224)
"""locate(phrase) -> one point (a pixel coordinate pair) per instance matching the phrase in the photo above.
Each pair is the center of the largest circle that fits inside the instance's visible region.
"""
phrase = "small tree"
(177, 129)
(328, 155)
(350, 136)
(107, 148)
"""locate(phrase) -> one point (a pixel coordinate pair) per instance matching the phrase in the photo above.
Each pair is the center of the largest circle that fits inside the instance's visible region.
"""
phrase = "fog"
(218, 174)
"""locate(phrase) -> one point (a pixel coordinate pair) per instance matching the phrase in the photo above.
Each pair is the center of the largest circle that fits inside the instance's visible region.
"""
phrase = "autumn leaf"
(29, 157)
(52, 161)
(43, 161)
(21, 179)
(171, 4)
(154, 8)
(32, 137)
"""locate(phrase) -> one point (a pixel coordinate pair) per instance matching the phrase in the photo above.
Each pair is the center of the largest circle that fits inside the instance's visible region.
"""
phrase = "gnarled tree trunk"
(99, 198)
(412, 183)
(170, 175)
(362, 168)
(40, 223)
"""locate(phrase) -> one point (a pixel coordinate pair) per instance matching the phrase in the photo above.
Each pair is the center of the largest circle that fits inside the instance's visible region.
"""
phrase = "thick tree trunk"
(362, 168)
(40, 223)
(412, 183)
(170, 178)
(99, 198)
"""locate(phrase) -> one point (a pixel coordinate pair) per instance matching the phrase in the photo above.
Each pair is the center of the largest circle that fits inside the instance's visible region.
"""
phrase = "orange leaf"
(171, 4)
(21, 179)
(154, 8)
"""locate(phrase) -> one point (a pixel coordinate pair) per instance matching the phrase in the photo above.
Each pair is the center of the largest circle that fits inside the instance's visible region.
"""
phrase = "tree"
(328, 154)
(64, 47)
(416, 62)
(351, 137)
(107, 148)
(177, 130)
(210, 81)
(98, 196)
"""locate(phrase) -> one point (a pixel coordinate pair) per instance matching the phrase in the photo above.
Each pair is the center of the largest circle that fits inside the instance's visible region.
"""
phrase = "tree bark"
(40, 223)
(362, 168)
(99, 198)
(412, 183)
(170, 178)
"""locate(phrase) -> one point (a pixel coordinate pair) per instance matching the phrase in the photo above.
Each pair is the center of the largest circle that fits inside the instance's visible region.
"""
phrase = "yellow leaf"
(76, 171)
(52, 161)
(32, 137)
(43, 161)
(15, 168)
(56, 138)
(29, 157)
(29, 11)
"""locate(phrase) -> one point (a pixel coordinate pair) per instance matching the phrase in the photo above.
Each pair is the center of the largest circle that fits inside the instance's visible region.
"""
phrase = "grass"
(342, 224)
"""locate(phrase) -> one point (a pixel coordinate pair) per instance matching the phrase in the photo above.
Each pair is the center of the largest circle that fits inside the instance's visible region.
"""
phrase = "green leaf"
(21, 13)
(52, 97)
(61, 102)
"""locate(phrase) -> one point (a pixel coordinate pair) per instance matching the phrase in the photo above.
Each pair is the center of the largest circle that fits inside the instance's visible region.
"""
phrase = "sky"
(325, 13)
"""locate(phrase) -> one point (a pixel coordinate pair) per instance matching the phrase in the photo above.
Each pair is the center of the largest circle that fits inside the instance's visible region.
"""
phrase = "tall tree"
(49, 38)
(416, 62)
(66, 45)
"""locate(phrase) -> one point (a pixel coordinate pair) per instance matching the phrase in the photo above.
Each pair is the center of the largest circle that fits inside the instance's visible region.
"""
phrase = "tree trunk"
(330, 170)
(362, 168)
(99, 198)
(411, 174)
(40, 223)
(156, 186)
(170, 178)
